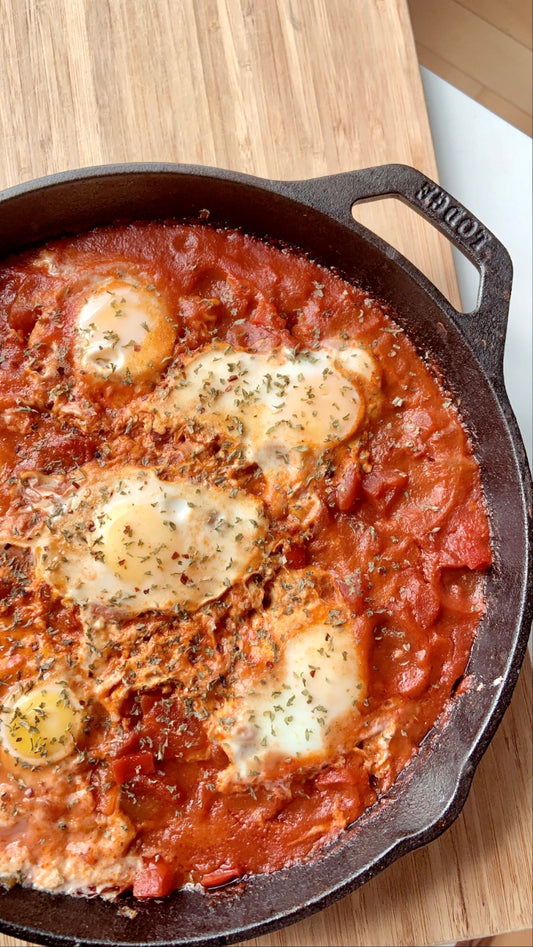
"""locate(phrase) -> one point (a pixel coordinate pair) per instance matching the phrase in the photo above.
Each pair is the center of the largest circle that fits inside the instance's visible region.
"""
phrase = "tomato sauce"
(399, 540)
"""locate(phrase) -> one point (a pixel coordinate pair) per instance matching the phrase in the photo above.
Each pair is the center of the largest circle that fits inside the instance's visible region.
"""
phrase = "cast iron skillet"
(316, 216)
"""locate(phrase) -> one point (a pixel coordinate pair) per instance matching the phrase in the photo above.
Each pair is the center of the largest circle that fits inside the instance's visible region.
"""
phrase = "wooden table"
(282, 89)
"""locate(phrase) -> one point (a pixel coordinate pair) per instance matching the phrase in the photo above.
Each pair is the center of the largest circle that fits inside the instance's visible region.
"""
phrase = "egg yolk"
(42, 725)
(138, 541)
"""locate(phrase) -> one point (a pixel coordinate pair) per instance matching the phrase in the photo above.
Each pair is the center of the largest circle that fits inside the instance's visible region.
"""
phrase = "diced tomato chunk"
(382, 487)
(337, 776)
(466, 544)
(105, 793)
(127, 767)
(351, 588)
(401, 658)
(221, 876)
(154, 881)
(423, 599)
(148, 800)
(266, 315)
(295, 556)
(348, 488)
(250, 334)
(172, 733)
(148, 702)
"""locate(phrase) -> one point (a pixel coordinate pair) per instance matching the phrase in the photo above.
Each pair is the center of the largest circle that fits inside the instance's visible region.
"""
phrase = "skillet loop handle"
(485, 327)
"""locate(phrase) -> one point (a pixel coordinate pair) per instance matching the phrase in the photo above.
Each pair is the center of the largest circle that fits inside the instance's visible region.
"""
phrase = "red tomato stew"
(243, 547)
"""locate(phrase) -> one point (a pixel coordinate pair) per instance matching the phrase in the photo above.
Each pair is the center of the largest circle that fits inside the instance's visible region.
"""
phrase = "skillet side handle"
(485, 327)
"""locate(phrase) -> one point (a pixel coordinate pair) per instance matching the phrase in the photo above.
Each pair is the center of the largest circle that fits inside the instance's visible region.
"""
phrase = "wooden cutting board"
(281, 89)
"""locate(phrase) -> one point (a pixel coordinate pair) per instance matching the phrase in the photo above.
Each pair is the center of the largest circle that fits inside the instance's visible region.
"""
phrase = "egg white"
(128, 540)
(295, 703)
(279, 408)
(123, 331)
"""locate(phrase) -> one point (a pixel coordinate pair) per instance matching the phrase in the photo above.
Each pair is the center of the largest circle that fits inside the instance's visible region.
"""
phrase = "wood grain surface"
(282, 89)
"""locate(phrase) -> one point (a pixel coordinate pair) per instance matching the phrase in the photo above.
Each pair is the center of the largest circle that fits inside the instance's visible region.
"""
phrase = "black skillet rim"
(307, 197)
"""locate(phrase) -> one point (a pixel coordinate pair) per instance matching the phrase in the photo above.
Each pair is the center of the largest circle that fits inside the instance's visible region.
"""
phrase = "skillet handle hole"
(456, 277)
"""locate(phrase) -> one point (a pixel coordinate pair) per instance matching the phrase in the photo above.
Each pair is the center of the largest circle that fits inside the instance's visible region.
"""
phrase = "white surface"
(487, 165)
